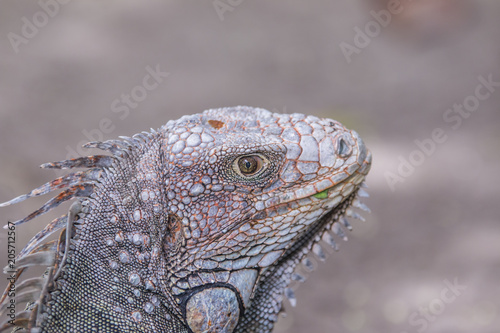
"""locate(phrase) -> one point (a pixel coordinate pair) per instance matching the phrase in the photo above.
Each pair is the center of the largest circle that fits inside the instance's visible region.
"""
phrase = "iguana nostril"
(343, 149)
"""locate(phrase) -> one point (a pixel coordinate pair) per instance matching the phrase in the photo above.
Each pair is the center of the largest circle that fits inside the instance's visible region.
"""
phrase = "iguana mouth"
(329, 218)
(338, 212)
(356, 178)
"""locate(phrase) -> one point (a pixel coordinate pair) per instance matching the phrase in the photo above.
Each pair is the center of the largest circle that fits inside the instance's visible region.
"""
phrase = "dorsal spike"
(27, 296)
(22, 319)
(82, 190)
(49, 247)
(95, 161)
(111, 146)
(142, 137)
(128, 141)
(54, 226)
(75, 208)
(58, 183)
(36, 283)
(45, 258)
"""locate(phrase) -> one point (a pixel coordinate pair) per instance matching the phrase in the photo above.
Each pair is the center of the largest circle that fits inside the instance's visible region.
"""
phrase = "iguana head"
(246, 185)
(202, 223)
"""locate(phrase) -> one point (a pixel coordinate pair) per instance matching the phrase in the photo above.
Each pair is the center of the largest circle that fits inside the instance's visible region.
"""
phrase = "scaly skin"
(196, 227)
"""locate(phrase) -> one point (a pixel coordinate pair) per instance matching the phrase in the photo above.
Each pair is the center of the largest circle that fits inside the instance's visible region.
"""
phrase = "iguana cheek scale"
(196, 227)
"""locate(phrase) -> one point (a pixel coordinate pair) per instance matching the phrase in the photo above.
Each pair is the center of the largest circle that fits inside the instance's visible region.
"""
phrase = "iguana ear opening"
(173, 239)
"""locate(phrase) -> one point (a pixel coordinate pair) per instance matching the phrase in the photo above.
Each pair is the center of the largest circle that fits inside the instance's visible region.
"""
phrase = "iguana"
(196, 227)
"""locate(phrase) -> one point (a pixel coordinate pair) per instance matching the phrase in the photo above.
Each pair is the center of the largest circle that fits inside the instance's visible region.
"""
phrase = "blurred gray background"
(65, 69)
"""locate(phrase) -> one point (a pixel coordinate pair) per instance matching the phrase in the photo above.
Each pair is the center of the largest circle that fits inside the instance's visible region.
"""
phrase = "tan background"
(441, 223)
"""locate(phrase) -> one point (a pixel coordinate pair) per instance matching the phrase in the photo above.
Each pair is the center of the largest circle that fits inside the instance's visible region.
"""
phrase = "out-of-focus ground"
(436, 226)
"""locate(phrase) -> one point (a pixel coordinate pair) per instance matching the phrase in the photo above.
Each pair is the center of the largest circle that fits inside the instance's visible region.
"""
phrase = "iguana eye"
(249, 165)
